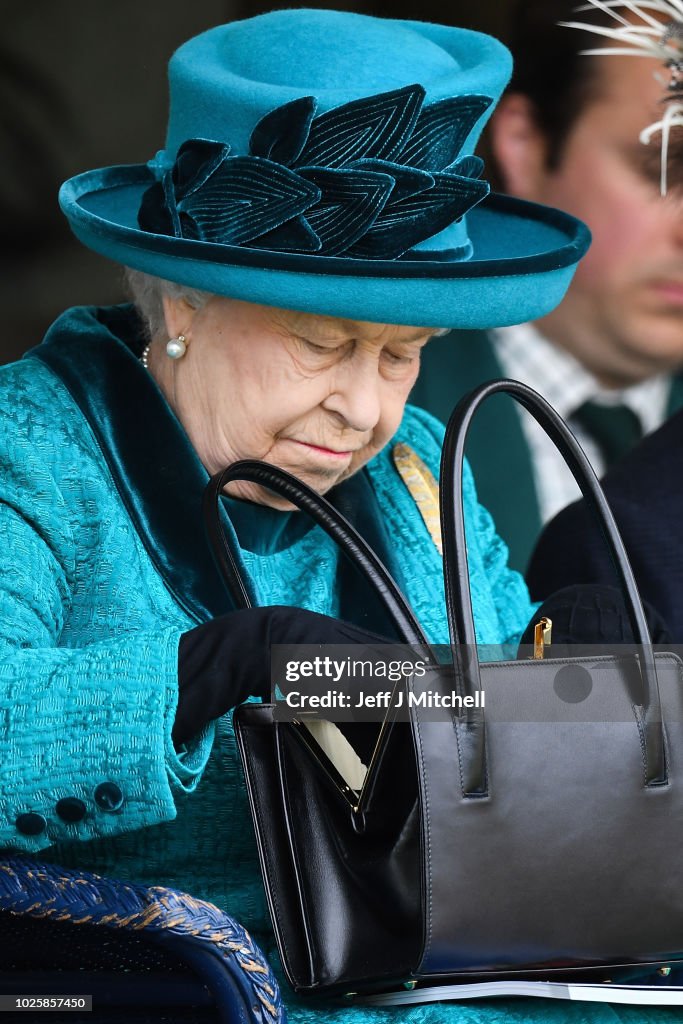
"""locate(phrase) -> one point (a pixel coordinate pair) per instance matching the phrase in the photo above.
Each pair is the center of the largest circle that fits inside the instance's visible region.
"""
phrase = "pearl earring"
(176, 347)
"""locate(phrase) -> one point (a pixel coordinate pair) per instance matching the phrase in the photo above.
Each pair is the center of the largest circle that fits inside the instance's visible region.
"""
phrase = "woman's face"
(315, 395)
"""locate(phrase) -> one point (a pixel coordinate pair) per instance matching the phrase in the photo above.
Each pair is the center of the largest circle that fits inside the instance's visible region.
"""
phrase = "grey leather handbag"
(539, 836)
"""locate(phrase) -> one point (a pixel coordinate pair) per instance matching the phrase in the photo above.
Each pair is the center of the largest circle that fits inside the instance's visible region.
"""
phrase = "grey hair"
(148, 293)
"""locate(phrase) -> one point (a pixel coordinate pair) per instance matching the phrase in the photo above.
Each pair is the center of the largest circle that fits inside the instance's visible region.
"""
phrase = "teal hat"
(323, 161)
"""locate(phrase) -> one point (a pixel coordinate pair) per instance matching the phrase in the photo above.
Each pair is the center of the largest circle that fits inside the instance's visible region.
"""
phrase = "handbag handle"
(456, 572)
(332, 522)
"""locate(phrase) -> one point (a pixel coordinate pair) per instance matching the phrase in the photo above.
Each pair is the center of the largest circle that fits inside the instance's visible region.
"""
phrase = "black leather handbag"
(537, 837)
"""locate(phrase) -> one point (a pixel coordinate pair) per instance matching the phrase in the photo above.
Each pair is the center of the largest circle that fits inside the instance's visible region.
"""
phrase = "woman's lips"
(331, 452)
(670, 291)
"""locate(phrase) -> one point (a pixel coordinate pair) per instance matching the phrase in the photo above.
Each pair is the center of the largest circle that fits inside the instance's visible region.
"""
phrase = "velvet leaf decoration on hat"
(369, 179)
(243, 197)
(400, 226)
(282, 134)
(441, 130)
(295, 235)
(376, 126)
(468, 167)
(350, 203)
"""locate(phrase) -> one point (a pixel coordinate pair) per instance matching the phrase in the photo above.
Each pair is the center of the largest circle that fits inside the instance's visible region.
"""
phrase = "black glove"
(226, 660)
(590, 613)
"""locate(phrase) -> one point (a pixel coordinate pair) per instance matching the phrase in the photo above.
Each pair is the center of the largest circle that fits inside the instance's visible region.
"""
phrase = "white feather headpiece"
(659, 34)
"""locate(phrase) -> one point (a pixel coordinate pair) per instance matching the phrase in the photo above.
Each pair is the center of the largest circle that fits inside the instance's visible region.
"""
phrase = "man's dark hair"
(549, 67)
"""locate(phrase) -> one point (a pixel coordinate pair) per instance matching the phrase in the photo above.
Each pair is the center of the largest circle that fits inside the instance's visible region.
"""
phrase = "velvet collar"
(95, 353)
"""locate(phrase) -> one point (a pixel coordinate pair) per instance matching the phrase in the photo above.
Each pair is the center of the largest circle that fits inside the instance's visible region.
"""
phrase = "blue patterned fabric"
(88, 657)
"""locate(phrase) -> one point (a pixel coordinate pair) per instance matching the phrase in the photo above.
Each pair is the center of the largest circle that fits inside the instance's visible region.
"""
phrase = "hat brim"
(524, 256)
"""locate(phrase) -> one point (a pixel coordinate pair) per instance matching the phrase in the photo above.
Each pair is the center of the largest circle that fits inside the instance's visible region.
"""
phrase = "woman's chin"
(257, 495)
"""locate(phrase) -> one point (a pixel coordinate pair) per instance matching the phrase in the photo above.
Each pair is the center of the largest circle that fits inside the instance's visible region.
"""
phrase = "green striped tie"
(614, 428)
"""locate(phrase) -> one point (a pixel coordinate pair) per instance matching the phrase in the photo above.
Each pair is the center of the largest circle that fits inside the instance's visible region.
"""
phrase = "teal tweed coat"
(103, 565)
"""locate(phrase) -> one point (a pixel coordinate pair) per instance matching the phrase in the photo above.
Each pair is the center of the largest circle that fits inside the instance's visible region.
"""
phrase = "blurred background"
(83, 85)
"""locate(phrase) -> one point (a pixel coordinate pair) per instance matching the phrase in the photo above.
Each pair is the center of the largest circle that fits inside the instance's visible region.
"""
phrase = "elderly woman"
(315, 217)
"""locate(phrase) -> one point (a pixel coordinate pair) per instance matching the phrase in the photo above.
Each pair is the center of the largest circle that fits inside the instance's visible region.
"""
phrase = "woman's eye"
(318, 349)
(400, 359)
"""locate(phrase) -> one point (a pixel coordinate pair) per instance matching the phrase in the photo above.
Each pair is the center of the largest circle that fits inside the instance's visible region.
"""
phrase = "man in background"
(609, 357)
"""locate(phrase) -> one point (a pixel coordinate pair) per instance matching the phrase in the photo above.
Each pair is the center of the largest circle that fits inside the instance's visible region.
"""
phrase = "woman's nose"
(355, 397)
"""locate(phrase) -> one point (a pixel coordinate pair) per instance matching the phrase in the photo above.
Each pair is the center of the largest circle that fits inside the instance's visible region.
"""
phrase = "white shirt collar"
(527, 356)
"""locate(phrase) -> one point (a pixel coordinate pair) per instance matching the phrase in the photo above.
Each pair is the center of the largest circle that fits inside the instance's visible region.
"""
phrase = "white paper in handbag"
(603, 992)
(335, 745)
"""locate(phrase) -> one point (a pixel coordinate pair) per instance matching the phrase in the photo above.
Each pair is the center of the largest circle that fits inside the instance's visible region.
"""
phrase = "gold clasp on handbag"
(543, 632)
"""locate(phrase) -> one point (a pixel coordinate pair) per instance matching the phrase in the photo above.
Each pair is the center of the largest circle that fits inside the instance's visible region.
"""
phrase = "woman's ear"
(518, 146)
(178, 314)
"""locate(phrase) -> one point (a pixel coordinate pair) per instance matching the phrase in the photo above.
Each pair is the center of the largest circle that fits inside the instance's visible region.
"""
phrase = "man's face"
(623, 314)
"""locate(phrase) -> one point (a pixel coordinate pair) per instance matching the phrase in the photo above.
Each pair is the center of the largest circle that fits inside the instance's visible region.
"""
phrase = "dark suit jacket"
(645, 492)
(498, 452)
(451, 367)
